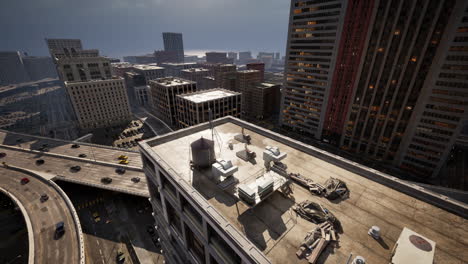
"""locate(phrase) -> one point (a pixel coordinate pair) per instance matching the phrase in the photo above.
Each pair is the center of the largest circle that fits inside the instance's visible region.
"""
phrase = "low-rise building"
(151, 72)
(163, 93)
(199, 107)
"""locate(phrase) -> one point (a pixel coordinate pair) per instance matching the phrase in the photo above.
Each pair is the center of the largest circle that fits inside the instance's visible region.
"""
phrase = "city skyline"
(120, 28)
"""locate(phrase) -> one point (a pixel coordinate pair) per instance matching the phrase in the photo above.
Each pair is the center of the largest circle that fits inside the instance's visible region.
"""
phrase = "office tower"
(174, 69)
(99, 103)
(163, 56)
(39, 67)
(98, 99)
(76, 68)
(199, 107)
(199, 181)
(59, 45)
(150, 72)
(224, 74)
(244, 56)
(379, 78)
(173, 42)
(12, 69)
(163, 94)
(218, 57)
(245, 81)
(207, 82)
(195, 75)
(232, 55)
(259, 66)
(265, 100)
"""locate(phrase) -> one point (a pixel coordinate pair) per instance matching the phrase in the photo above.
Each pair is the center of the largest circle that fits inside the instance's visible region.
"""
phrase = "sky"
(132, 27)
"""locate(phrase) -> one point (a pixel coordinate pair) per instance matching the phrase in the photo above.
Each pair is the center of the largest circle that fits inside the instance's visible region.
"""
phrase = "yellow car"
(123, 157)
(123, 161)
(96, 217)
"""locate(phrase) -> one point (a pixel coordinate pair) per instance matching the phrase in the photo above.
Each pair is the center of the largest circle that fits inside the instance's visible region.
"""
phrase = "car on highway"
(106, 180)
(75, 146)
(96, 217)
(40, 161)
(120, 170)
(59, 230)
(2, 154)
(123, 161)
(82, 155)
(135, 179)
(44, 197)
(123, 157)
(24, 181)
(75, 168)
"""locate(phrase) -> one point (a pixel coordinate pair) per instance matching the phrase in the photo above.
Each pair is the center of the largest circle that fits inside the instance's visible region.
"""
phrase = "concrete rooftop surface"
(208, 95)
(275, 229)
(100, 161)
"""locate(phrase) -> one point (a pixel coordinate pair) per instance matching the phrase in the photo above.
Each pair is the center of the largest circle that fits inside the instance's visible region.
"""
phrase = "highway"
(99, 162)
(43, 217)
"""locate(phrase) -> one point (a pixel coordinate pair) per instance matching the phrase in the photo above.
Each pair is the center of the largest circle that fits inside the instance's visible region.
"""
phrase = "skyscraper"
(384, 79)
(174, 42)
(61, 44)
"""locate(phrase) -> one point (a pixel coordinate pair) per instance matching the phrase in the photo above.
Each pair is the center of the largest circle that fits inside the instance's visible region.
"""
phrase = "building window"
(154, 193)
(192, 214)
(225, 252)
(174, 218)
(195, 245)
(169, 187)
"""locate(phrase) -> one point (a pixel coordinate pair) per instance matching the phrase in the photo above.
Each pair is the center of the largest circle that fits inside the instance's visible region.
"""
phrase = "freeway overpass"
(23, 151)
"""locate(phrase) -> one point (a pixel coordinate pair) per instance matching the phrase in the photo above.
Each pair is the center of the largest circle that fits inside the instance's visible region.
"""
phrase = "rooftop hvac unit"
(265, 186)
(222, 173)
(413, 248)
(203, 153)
(246, 194)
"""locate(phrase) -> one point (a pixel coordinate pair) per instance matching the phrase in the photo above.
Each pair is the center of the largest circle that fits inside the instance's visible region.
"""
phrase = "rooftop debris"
(316, 241)
(332, 189)
(315, 213)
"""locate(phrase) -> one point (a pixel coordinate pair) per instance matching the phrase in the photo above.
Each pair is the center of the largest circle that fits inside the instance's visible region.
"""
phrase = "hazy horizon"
(122, 27)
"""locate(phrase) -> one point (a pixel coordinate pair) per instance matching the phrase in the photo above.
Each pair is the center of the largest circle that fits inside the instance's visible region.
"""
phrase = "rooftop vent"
(272, 154)
(222, 173)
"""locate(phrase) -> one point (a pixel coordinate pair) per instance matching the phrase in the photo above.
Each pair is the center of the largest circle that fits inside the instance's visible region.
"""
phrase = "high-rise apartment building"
(259, 66)
(12, 69)
(174, 42)
(199, 107)
(383, 79)
(195, 75)
(163, 93)
(59, 45)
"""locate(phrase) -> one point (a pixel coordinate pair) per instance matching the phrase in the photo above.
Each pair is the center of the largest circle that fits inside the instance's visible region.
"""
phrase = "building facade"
(264, 99)
(218, 57)
(39, 67)
(382, 79)
(195, 75)
(163, 93)
(174, 42)
(12, 69)
(83, 68)
(150, 72)
(174, 69)
(244, 84)
(59, 45)
(199, 107)
(99, 103)
(259, 66)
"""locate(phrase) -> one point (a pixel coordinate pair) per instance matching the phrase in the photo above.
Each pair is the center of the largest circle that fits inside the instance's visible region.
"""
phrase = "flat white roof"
(147, 67)
(208, 95)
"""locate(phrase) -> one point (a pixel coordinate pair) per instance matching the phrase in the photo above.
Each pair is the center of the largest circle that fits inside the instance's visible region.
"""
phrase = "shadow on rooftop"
(267, 216)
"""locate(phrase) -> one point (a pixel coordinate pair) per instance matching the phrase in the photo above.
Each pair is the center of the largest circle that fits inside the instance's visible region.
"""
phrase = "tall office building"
(60, 45)
(218, 57)
(359, 72)
(245, 81)
(195, 74)
(174, 42)
(259, 66)
(244, 56)
(174, 69)
(163, 93)
(12, 69)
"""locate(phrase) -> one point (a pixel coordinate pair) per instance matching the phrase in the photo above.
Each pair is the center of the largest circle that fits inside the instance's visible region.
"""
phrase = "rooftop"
(195, 70)
(114, 78)
(147, 67)
(267, 85)
(208, 95)
(375, 198)
(171, 81)
(178, 63)
(248, 71)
